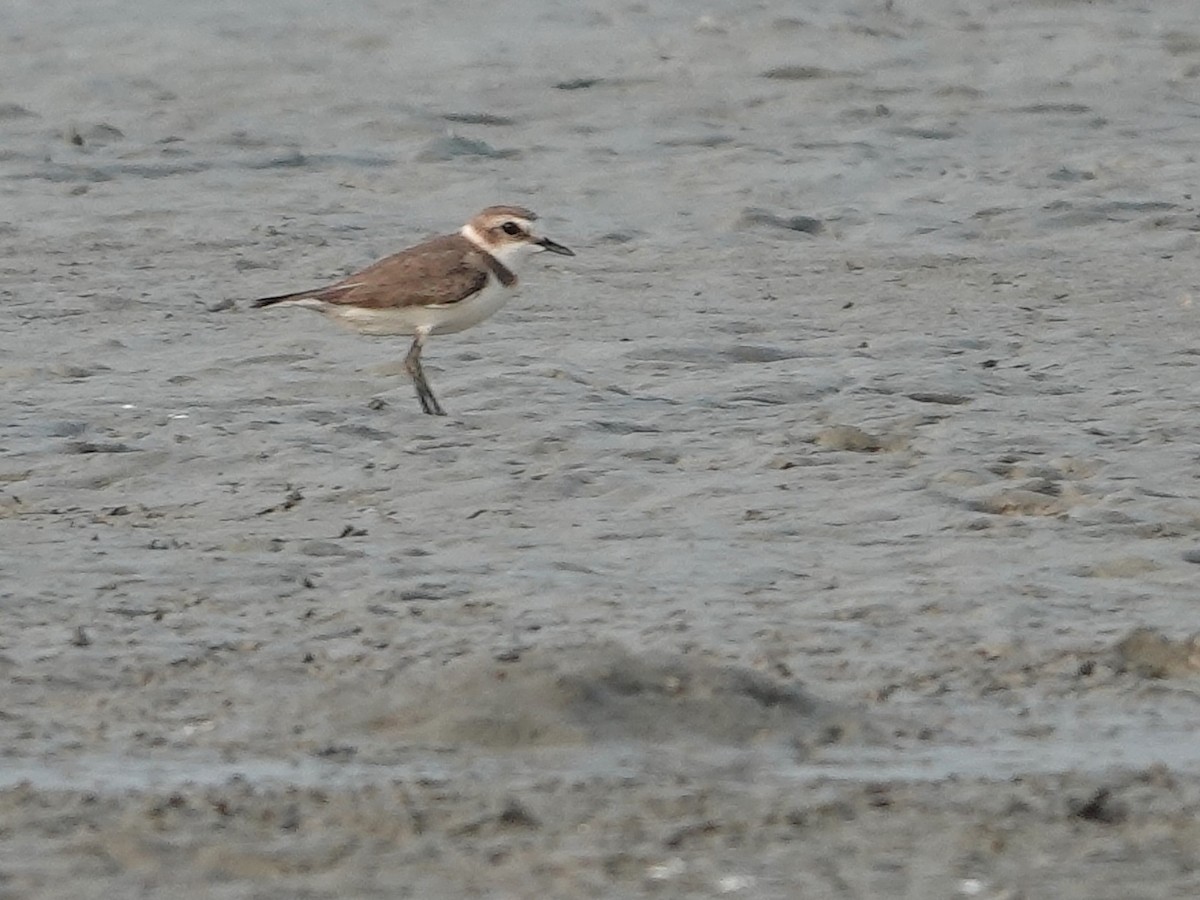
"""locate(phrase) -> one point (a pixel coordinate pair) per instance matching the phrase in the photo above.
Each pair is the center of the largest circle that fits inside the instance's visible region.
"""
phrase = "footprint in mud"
(1017, 487)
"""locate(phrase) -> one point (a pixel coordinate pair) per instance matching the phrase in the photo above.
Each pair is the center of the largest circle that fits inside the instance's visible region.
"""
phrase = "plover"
(443, 285)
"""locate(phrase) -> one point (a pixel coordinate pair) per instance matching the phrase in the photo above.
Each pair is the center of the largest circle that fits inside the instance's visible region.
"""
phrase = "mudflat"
(828, 527)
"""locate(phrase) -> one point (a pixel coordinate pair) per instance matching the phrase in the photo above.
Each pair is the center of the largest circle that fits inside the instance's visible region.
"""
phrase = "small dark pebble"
(797, 73)
(131, 612)
(939, 397)
(515, 815)
(339, 635)
(1099, 808)
(804, 224)
(478, 119)
(97, 447)
(577, 84)
(336, 752)
(289, 159)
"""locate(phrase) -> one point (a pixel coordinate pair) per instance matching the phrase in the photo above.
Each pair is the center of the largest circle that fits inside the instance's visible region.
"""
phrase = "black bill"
(554, 247)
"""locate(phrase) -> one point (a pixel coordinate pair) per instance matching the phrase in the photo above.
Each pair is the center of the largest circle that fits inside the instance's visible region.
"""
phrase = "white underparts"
(432, 319)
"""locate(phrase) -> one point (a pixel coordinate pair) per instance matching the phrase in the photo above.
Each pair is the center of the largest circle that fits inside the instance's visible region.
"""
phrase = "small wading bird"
(443, 285)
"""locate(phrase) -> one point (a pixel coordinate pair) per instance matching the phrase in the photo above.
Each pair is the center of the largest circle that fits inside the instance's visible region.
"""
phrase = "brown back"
(443, 270)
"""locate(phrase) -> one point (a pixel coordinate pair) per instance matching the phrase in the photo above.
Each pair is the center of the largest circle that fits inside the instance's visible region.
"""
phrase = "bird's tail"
(282, 298)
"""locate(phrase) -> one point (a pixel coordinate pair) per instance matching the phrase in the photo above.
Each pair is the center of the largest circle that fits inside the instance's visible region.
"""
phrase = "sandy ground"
(828, 527)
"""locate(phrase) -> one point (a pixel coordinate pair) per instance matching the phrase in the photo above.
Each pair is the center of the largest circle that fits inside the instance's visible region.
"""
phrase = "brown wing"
(443, 270)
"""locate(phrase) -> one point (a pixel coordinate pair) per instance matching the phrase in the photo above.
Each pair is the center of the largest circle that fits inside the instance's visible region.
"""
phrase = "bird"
(440, 286)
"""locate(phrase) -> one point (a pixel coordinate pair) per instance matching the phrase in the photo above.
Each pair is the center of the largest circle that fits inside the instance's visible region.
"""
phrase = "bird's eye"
(511, 228)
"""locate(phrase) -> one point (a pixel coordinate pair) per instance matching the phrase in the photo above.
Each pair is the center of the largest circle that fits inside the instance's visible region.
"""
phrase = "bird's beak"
(554, 247)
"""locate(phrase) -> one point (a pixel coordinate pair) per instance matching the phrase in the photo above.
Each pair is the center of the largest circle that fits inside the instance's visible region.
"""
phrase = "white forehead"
(498, 219)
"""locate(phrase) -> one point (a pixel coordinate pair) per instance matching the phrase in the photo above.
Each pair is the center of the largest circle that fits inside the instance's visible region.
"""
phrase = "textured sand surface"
(828, 527)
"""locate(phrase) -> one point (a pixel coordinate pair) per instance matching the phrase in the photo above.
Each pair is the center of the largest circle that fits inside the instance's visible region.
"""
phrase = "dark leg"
(412, 365)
